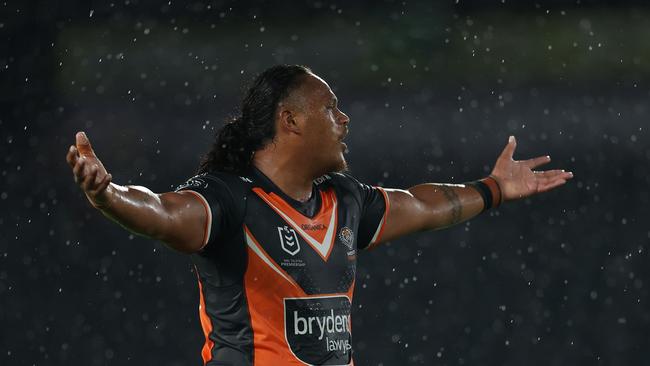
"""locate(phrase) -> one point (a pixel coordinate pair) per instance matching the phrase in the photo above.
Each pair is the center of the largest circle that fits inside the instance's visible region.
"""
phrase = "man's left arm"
(433, 206)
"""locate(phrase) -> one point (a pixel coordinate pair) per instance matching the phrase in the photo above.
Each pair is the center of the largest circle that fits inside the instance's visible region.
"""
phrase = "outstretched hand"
(517, 178)
(88, 171)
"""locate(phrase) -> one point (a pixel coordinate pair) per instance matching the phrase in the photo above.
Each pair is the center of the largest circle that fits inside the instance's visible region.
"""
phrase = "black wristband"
(489, 190)
(485, 193)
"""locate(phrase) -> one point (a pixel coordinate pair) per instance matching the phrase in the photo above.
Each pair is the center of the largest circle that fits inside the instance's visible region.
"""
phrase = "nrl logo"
(288, 240)
(346, 237)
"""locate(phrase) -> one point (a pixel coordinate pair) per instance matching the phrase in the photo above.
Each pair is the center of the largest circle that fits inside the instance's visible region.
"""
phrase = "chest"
(318, 252)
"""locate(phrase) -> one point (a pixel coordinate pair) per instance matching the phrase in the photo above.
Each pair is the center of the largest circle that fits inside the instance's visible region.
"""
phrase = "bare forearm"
(447, 204)
(136, 208)
(177, 218)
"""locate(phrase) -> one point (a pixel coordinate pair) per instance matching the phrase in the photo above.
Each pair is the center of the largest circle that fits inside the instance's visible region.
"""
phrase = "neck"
(285, 171)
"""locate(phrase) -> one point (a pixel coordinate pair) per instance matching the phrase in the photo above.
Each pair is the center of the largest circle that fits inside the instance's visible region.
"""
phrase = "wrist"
(490, 191)
(103, 200)
(495, 189)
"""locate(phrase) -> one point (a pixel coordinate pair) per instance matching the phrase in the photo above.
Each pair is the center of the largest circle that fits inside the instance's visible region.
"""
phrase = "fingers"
(549, 186)
(551, 179)
(88, 181)
(538, 161)
(72, 156)
(83, 144)
(89, 173)
(78, 170)
(89, 178)
(553, 174)
(509, 150)
(103, 184)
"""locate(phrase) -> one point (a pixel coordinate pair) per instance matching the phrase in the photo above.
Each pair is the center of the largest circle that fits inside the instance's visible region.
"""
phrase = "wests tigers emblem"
(347, 237)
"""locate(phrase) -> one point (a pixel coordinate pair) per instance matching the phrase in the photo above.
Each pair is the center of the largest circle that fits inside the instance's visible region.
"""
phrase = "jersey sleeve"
(374, 212)
(219, 205)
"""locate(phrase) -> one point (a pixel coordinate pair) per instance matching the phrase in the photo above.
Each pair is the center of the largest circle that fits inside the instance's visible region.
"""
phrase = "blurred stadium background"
(433, 90)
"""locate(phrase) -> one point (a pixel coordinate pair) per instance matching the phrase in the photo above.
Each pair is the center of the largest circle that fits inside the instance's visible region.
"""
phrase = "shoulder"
(345, 180)
(216, 181)
(344, 183)
(226, 190)
(225, 193)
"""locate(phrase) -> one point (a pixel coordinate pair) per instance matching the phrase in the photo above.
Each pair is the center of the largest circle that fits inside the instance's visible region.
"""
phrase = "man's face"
(323, 125)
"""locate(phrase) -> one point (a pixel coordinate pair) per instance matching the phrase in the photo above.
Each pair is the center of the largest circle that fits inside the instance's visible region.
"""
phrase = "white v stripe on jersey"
(379, 227)
(251, 244)
(322, 248)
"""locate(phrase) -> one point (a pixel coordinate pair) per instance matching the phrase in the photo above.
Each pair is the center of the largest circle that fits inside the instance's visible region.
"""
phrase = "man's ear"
(290, 121)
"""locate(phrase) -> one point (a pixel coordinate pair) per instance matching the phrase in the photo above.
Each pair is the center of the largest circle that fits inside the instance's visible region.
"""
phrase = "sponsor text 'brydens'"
(330, 323)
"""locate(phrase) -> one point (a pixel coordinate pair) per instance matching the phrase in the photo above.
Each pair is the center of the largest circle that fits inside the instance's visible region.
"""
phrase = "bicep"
(407, 214)
(188, 220)
(430, 206)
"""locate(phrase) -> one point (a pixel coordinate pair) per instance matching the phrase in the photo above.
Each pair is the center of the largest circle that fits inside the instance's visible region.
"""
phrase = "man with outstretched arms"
(273, 222)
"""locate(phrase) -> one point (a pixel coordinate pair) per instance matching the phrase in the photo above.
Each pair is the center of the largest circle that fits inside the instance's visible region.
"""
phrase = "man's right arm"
(179, 219)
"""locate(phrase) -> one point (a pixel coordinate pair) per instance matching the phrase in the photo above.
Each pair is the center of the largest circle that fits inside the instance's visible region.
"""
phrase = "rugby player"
(273, 222)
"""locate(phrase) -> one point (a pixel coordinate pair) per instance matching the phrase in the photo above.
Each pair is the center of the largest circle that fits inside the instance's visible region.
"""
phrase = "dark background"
(433, 91)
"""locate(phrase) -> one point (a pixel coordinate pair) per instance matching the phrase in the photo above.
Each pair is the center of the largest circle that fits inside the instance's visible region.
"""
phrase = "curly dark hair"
(232, 150)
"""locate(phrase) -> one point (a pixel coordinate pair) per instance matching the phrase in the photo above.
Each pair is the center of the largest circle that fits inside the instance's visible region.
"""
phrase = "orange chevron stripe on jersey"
(322, 237)
(256, 248)
(266, 288)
